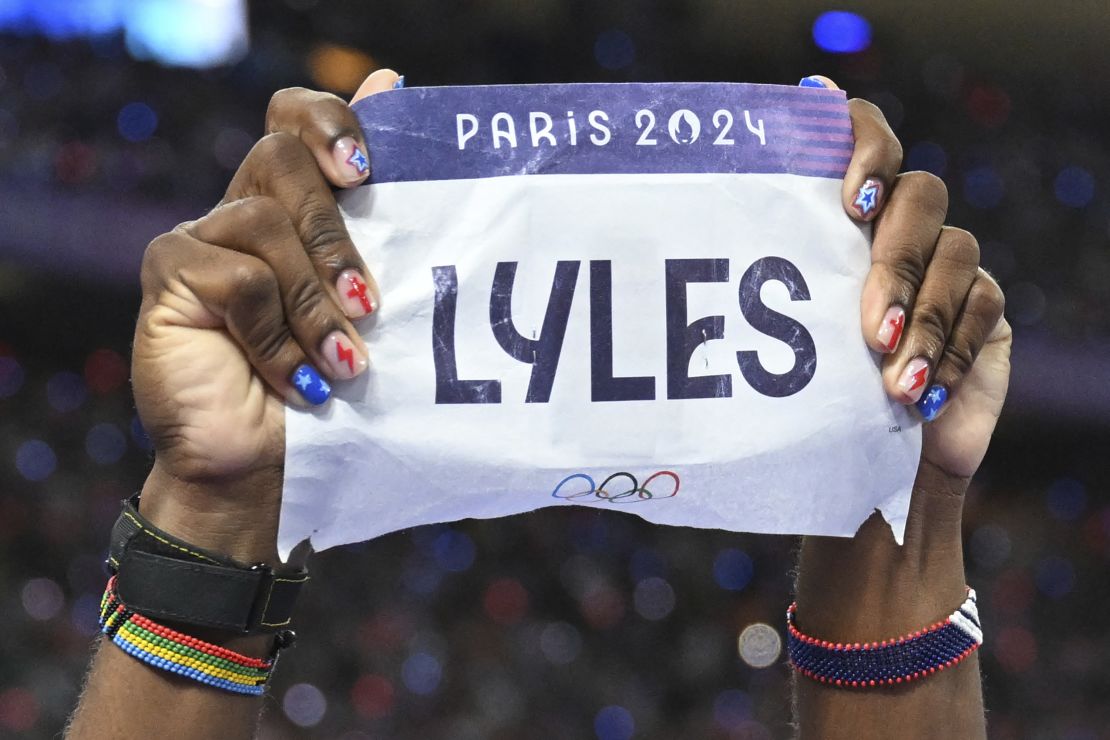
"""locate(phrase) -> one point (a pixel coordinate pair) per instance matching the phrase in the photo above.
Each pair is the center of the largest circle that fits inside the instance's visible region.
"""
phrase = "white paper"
(383, 455)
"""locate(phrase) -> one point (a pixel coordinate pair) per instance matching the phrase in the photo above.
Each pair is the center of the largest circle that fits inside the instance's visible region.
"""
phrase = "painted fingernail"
(310, 385)
(350, 159)
(344, 359)
(868, 198)
(912, 381)
(811, 81)
(354, 295)
(932, 402)
(400, 83)
(890, 331)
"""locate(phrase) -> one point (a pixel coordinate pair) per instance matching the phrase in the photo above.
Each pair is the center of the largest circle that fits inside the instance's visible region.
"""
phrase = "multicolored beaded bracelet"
(173, 651)
(889, 662)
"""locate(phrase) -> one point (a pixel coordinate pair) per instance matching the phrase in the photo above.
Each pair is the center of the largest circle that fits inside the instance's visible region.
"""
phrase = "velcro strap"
(196, 593)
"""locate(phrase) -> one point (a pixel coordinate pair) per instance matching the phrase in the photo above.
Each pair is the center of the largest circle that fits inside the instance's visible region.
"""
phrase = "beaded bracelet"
(173, 651)
(889, 662)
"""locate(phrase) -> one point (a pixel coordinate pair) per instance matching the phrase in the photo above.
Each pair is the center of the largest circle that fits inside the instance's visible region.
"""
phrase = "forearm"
(870, 589)
(125, 697)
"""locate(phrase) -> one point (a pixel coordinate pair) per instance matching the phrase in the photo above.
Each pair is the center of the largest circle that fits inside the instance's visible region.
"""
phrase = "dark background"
(563, 623)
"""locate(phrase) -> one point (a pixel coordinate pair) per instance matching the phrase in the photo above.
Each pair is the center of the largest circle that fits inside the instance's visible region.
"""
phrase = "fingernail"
(811, 81)
(868, 198)
(400, 83)
(344, 359)
(354, 296)
(932, 402)
(310, 385)
(912, 382)
(350, 159)
(890, 331)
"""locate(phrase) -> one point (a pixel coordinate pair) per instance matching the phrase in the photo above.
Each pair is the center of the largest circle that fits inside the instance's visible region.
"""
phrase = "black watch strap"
(163, 577)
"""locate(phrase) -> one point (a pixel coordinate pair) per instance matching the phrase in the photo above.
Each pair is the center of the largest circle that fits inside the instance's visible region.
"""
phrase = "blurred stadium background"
(120, 118)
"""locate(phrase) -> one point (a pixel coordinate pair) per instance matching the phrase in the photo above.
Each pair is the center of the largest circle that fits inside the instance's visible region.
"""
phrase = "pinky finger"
(981, 312)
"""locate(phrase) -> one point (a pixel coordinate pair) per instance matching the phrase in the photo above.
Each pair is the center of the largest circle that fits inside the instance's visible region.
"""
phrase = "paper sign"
(637, 297)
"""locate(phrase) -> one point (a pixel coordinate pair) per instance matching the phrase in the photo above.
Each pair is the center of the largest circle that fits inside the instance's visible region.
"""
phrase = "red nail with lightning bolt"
(912, 380)
(344, 358)
(355, 295)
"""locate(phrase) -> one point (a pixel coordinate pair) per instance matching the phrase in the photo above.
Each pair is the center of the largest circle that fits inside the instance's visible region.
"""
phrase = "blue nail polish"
(932, 402)
(310, 385)
(399, 83)
(811, 82)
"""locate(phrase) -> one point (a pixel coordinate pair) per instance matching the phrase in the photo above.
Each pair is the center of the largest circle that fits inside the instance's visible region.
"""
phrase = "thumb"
(378, 81)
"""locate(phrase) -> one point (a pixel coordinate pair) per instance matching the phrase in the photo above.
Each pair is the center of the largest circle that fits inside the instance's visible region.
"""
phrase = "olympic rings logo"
(633, 491)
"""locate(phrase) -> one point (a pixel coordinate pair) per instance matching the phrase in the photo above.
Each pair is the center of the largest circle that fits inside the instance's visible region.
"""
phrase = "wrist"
(235, 517)
(869, 587)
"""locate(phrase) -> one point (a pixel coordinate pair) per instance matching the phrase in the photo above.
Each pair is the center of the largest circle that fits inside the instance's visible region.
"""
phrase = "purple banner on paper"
(452, 133)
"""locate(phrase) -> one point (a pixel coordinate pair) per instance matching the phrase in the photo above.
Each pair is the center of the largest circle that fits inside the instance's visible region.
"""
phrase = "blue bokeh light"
(841, 32)
(732, 708)
(1067, 498)
(1074, 187)
(733, 569)
(983, 188)
(137, 121)
(35, 460)
(11, 377)
(105, 443)
(453, 551)
(614, 723)
(66, 391)
(139, 436)
(929, 157)
(1055, 577)
(421, 674)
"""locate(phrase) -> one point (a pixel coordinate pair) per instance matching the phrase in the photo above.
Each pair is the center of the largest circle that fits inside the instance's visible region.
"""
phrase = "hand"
(243, 309)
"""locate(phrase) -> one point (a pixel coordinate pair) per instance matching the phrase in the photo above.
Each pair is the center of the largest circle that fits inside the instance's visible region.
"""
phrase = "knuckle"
(908, 264)
(304, 296)
(959, 357)
(279, 152)
(262, 214)
(320, 228)
(269, 339)
(988, 292)
(961, 246)
(156, 254)
(929, 320)
(255, 286)
(279, 101)
(928, 190)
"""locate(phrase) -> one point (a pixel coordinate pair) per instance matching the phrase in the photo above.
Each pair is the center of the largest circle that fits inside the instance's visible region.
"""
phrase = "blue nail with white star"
(930, 404)
(812, 81)
(400, 83)
(312, 387)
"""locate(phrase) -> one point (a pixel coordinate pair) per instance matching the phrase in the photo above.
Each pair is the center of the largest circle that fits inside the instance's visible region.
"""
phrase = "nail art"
(310, 385)
(400, 83)
(890, 331)
(932, 402)
(344, 360)
(350, 159)
(868, 197)
(354, 296)
(811, 82)
(912, 381)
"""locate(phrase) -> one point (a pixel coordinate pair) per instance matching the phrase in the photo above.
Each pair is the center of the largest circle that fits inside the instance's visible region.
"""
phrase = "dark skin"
(235, 301)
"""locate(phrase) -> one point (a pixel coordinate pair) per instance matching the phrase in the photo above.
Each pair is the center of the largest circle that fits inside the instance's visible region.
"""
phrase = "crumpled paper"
(639, 297)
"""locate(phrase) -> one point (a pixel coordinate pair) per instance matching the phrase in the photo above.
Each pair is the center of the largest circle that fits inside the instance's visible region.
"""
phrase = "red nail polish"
(890, 331)
(354, 295)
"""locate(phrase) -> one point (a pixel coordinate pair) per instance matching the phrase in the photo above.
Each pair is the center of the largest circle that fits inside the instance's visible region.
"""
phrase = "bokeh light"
(1074, 187)
(841, 32)
(733, 569)
(137, 122)
(421, 673)
(35, 460)
(42, 598)
(105, 443)
(304, 704)
(759, 645)
(614, 723)
(654, 598)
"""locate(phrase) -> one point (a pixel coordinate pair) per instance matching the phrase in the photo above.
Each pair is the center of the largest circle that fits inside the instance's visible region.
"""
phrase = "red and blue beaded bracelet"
(888, 662)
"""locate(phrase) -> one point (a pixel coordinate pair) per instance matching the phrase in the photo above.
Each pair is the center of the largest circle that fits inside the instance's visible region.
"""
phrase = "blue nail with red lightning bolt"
(912, 380)
(345, 360)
